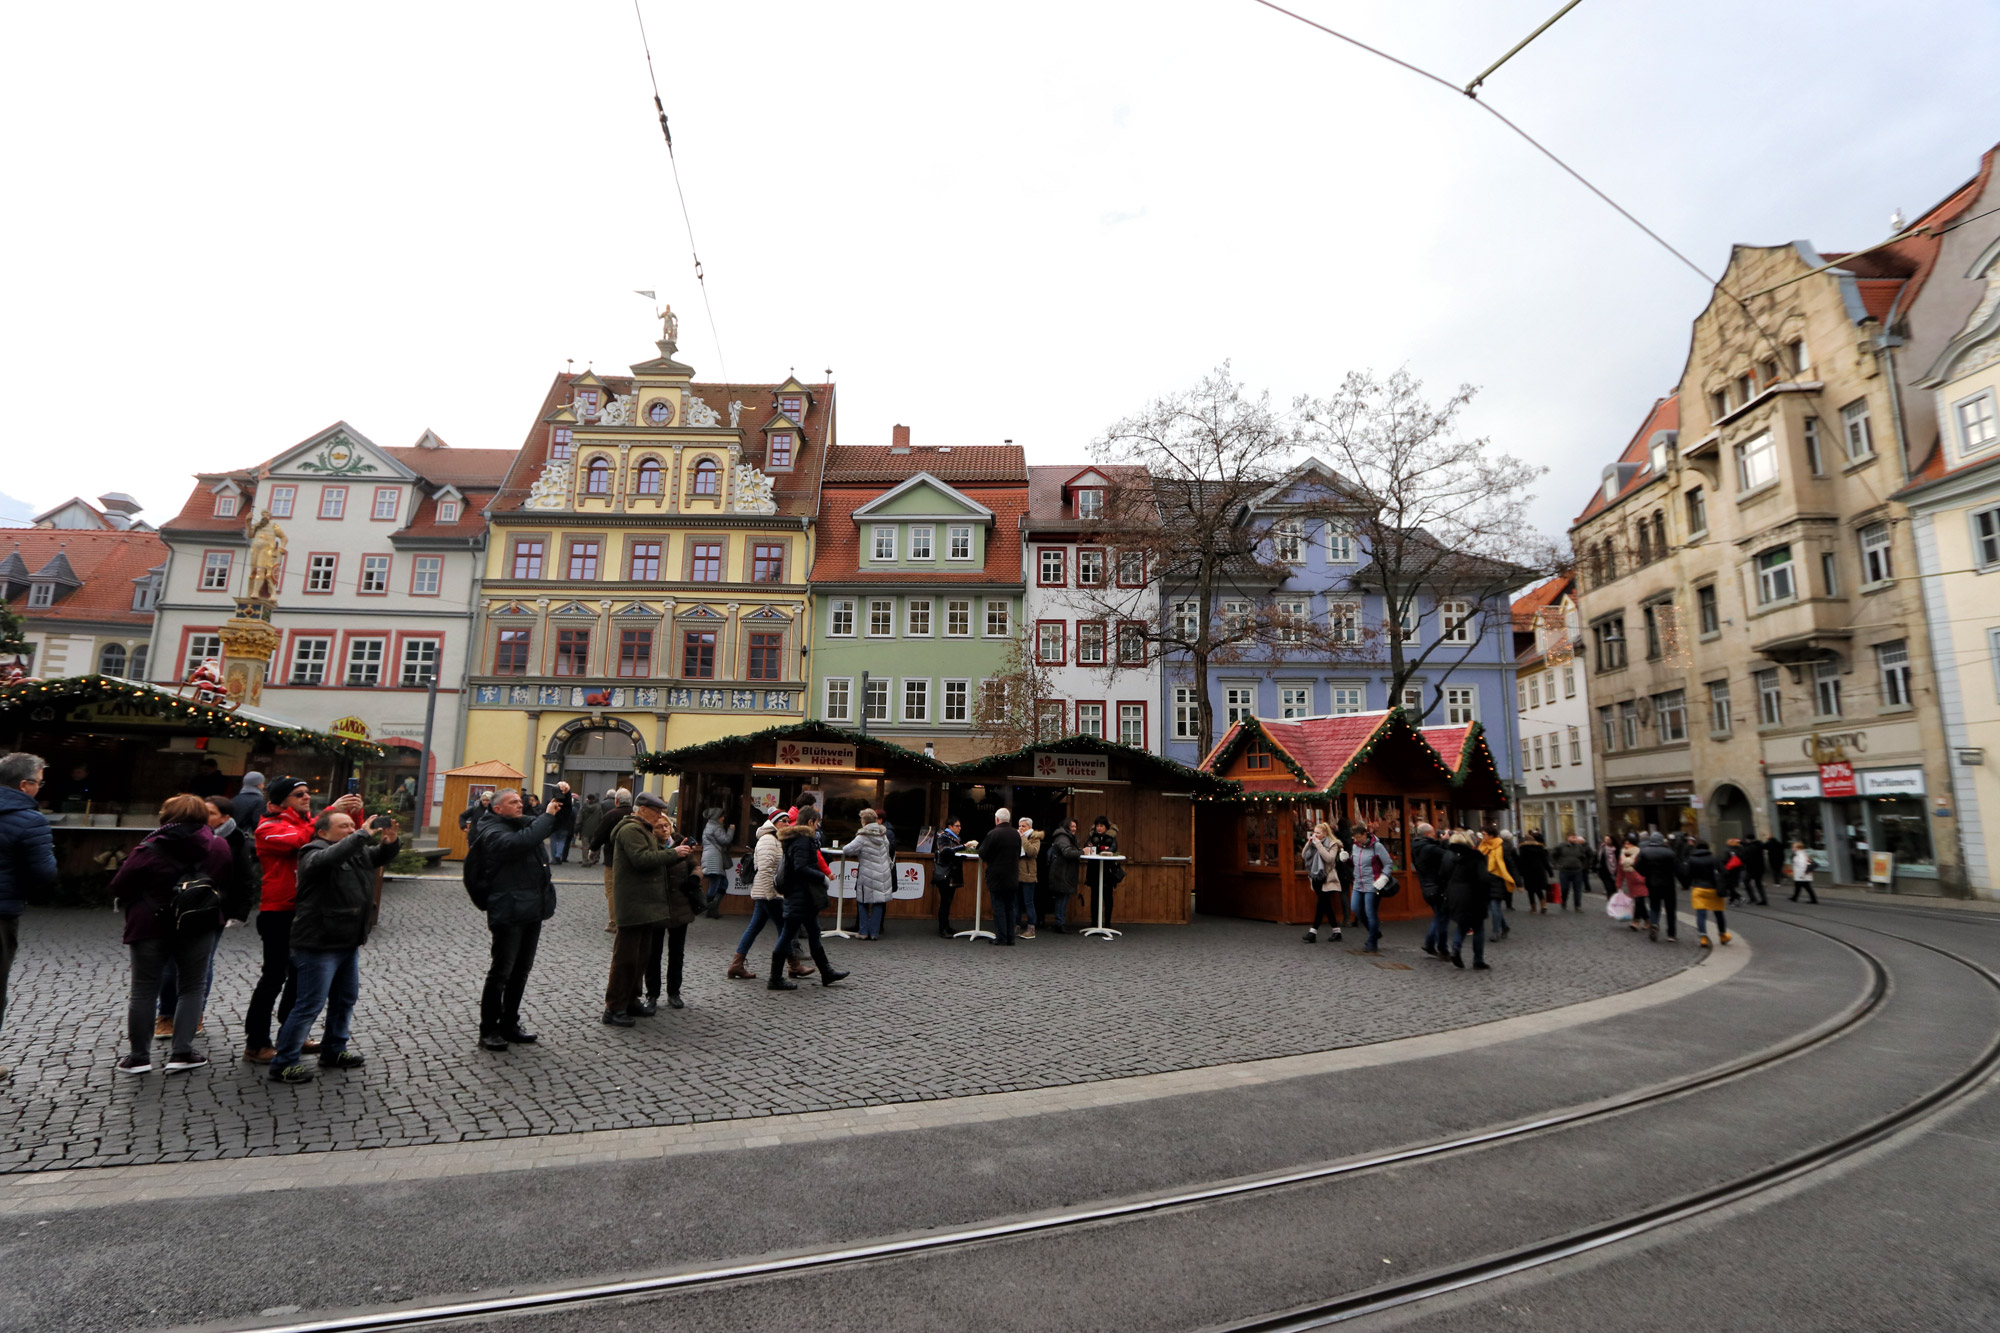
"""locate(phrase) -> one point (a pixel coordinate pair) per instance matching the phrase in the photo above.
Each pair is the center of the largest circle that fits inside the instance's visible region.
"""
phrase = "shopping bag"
(1620, 907)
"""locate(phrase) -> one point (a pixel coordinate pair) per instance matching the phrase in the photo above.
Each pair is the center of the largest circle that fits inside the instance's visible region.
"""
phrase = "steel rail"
(514, 1303)
(1422, 1287)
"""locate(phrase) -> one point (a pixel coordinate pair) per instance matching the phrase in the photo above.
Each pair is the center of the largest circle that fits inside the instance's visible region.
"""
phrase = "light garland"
(219, 722)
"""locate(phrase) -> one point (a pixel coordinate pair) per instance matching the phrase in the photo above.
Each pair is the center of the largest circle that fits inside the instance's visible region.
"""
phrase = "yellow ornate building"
(645, 585)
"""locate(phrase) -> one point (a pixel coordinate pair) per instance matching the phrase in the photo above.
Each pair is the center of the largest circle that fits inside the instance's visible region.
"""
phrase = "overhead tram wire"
(700, 278)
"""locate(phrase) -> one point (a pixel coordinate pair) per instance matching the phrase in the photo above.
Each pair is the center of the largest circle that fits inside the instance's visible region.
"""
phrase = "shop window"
(1892, 661)
(1260, 845)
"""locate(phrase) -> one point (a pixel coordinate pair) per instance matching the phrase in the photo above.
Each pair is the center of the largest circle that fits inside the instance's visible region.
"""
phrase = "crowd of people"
(309, 881)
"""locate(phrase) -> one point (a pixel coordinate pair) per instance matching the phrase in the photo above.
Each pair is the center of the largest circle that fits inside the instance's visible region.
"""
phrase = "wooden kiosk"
(1372, 769)
(1150, 801)
(463, 786)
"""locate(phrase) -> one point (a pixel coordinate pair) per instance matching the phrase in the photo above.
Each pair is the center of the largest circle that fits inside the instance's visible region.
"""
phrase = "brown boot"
(798, 967)
(738, 972)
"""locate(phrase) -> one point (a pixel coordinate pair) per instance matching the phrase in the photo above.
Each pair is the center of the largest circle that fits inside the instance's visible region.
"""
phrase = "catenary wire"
(700, 277)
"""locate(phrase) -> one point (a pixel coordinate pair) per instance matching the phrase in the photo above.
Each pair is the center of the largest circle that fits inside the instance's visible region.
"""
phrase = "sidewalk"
(1935, 902)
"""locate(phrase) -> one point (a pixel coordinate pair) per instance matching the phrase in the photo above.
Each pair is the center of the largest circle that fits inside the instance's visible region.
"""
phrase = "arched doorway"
(1730, 814)
(594, 756)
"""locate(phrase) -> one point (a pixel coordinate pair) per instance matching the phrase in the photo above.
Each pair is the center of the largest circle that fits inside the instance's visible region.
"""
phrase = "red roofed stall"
(1365, 768)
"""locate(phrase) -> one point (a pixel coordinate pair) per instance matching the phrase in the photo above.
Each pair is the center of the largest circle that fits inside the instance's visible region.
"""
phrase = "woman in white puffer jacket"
(767, 905)
(877, 864)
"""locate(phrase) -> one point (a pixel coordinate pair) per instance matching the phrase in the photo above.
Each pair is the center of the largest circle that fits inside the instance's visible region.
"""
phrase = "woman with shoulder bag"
(804, 889)
(171, 889)
(1325, 860)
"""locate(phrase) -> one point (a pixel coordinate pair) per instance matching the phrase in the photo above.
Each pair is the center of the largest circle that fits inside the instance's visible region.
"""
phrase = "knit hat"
(282, 788)
(253, 779)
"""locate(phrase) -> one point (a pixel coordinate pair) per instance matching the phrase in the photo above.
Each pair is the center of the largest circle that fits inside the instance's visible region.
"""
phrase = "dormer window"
(794, 406)
(44, 594)
(779, 456)
(225, 505)
(1090, 503)
(586, 402)
(1659, 458)
(447, 511)
(560, 445)
(143, 595)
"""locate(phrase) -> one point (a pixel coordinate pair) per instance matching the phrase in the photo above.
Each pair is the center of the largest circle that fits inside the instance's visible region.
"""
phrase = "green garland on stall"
(675, 761)
(29, 694)
(1172, 768)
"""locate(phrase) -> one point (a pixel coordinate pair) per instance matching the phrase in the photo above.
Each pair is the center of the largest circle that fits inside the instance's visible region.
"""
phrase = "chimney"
(899, 440)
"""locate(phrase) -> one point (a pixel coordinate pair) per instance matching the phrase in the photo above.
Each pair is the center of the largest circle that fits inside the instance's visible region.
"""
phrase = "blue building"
(1311, 570)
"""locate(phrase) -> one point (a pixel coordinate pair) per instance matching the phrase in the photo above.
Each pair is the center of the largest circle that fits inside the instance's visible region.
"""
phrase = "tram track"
(577, 1297)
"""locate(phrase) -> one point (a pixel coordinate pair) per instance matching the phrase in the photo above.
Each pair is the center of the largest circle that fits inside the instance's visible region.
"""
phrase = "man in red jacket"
(286, 829)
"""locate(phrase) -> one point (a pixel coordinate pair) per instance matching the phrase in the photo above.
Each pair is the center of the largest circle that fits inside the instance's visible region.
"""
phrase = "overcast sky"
(232, 227)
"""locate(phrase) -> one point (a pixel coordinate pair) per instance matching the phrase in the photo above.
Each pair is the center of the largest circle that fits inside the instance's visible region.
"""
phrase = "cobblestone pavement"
(921, 1018)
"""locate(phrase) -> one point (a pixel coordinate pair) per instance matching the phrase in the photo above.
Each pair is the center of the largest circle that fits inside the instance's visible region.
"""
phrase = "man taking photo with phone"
(336, 887)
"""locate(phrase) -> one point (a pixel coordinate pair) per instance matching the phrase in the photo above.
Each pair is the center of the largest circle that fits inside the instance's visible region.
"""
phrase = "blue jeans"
(1365, 913)
(1025, 903)
(869, 919)
(1575, 883)
(1478, 933)
(763, 912)
(329, 978)
(1439, 935)
(717, 886)
(559, 845)
(1498, 907)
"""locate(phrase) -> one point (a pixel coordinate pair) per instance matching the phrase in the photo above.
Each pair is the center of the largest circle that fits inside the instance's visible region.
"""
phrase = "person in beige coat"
(767, 905)
(1031, 864)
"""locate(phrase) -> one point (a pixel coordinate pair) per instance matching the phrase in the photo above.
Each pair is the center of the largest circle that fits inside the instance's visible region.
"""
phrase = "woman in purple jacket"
(180, 851)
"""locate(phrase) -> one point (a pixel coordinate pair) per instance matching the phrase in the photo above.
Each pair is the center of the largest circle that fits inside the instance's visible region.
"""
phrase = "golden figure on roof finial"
(670, 326)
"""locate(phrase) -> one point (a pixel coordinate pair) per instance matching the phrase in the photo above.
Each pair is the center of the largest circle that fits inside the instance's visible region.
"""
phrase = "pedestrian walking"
(1702, 875)
(27, 859)
(875, 877)
(1372, 867)
(1802, 873)
(330, 923)
(767, 904)
(1606, 866)
(1571, 861)
(1777, 858)
(588, 816)
(565, 825)
(620, 811)
(1661, 869)
(655, 896)
(170, 889)
(469, 819)
(1732, 870)
(1322, 851)
(1428, 858)
(1468, 894)
(286, 828)
(1501, 883)
(518, 894)
(1631, 882)
(247, 807)
(1108, 875)
(1062, 856)
(1029, 875)
(1535, 870)
(1751, 853)
(1000, 853)
(804, 886)
(717, 838)
(947, 871)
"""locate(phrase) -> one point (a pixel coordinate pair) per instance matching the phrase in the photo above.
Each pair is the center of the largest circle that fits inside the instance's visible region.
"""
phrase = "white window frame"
(958, 610)
(334, 499)
(1976, 422)
(1815, 455)
(304, 656)
(1768, 569)
(1294, 613)
(427, 577)
(1985, 537)
(881, 617)
(1343, 620)
(1084, 724)
(1051, 567)
(1412, 623)
(358, 655)
(393, 496)
(1756, 463)
(1132, 725)
(318, 565)
(917, 618)
(1534, 700)
(447, 511)
(1826, 697)
(41, 595)
(1461, 705)
(1455, 620)
(923, 542)
(957, 535)
(839, 699)
(1187, 709)
(1288, 538)
(215, 567)
(1569, 682)
(1877, 565)
(200, 647)
(957, 695)
(1721, 710)
(1083, 643)
(287, 496)
(881, 538)
(374, 575)
(413, 657)
(1090, 502)
(1092, 554)
(1576, 745)
(1857, 433)
(1340, 544)
(1186, 620)
(840, 618)
(1005, 622)
(1670, 716)
(1892, 668)
(916, 699)
(1770, 697)
(877, 691)
(1238, 702)
(1043, 642)
(1348, 699)
(1295, 699)
(1539, 753)
(225, 505)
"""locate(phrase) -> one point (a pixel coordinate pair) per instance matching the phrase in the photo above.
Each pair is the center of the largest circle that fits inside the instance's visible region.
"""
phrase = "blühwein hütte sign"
(814, 754)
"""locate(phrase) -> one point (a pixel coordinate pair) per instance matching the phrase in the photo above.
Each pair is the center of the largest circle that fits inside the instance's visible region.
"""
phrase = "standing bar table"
(978, 886)
(840, 881)
(1100, 930)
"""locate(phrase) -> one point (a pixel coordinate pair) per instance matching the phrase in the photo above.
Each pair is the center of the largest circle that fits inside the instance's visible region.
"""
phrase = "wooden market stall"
(463, 786)
(116, 749)
(842, 771)
(1359, 768)
(1149, 800)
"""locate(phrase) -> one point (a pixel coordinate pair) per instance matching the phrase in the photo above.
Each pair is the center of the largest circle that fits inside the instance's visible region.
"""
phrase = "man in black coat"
(1001, 851)
(1776, 862)
(948, 872)
(1662, 871)
(518, 894)
(336, 887)
(1427, 858)
(1751, 853)
(804, 886)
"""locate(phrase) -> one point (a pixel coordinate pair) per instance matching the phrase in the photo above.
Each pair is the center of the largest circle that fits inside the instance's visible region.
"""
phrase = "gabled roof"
(104, 564)
(837, 550)
(922, 479)
(56, 569)
(1319, 754)
(1528, 606)
(958, 464)
(442, 465)
(311, 456)
(491, 768)
(747, 749)
(1665, 414)
(1048, 485)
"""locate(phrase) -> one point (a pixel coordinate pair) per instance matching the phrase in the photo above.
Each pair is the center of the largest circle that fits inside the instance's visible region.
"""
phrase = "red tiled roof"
(837, 555)
(1530, 603)
(471, 516)
(106, 562)
(1449, 742)
(1045, 501)
(796, 492)
(1325, 745)
(869, 463)
(1879, 295)
(455, 467)
(198, 511)
(1665, 414)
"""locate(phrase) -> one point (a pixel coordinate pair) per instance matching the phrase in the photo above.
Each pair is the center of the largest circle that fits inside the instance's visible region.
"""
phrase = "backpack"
(196, 902)
(478, 883)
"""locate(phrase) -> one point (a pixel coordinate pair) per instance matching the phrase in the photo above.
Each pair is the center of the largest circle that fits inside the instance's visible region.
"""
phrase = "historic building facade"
(376, 556)
(1087, 606)
(917, 589)
(646, 583)
(1558, 775)
(1755, 632)
(85, 598)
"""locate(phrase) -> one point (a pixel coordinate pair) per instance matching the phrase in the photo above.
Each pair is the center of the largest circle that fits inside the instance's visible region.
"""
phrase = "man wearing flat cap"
(654, 896)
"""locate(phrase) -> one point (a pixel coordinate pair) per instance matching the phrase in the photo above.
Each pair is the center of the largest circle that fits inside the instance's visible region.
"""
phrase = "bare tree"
(1007, 710)
(1195, 463)
(1436, 515)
